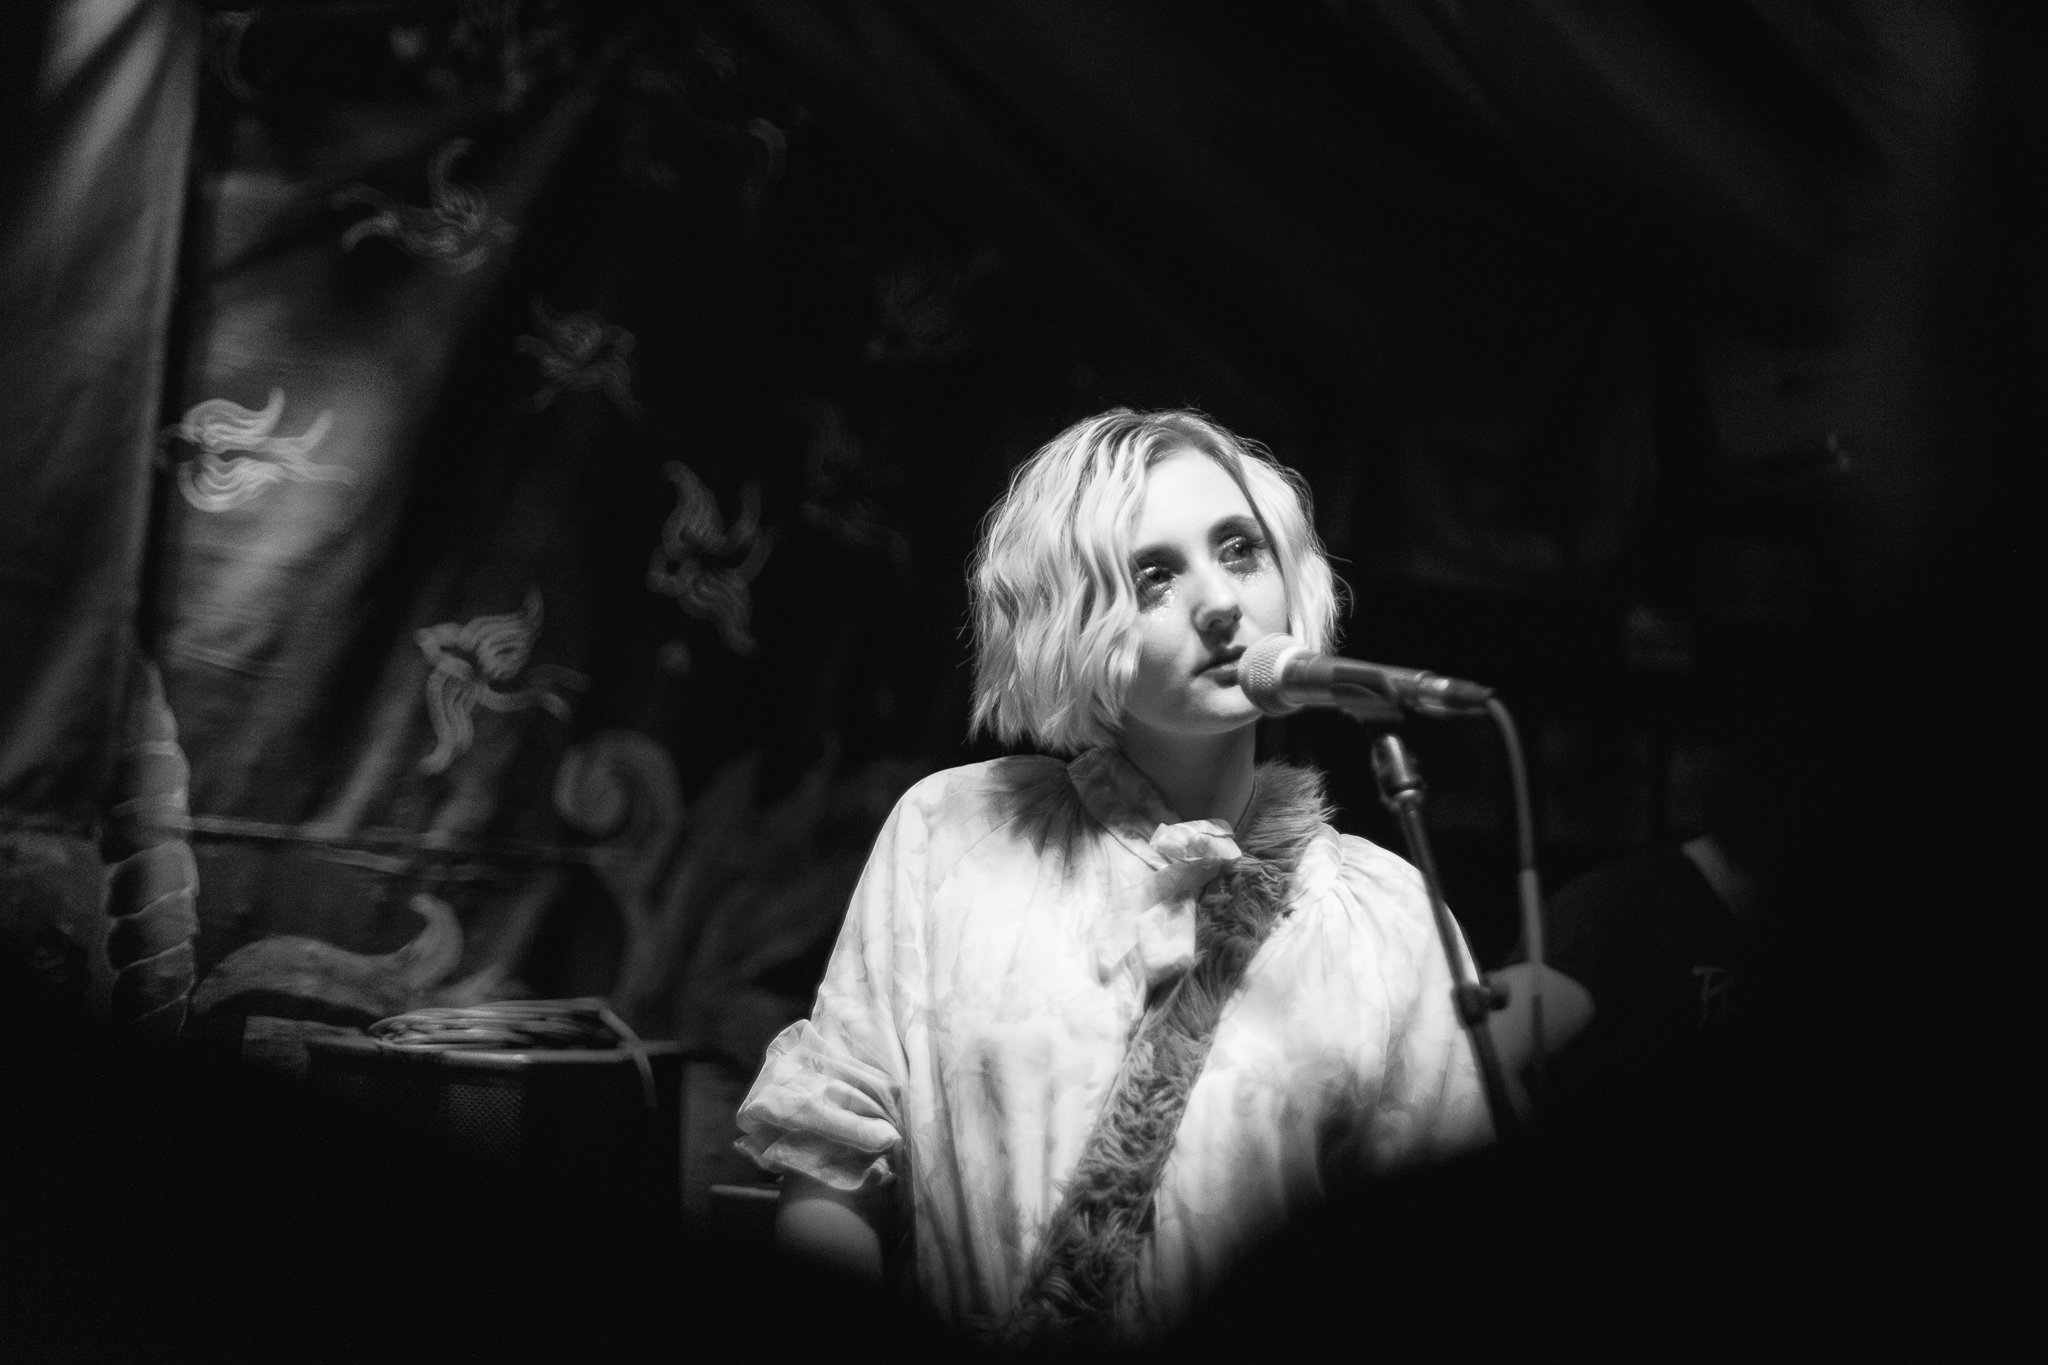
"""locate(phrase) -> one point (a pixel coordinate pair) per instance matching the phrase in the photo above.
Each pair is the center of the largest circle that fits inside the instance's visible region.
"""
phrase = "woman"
(1094, 1027)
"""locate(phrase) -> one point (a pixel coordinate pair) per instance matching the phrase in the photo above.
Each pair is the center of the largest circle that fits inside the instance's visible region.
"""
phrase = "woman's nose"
(1216, 604)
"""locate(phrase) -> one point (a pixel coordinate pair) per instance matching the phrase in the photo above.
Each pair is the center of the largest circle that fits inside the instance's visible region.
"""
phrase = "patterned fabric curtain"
(95, 173)
(476, 468)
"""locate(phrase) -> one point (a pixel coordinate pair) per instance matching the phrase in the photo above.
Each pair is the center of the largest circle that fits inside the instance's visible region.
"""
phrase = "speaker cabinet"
(588, 1128)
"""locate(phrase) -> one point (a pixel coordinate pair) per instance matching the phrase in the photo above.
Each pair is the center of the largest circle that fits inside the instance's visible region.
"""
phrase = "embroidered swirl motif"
(238, 456)
(840, 483)
(580, 353)
(371, 986)
(696, 529)
(764, 154)
(925, 306)
(225, 32)
(484, 662)
(454, 232)
(479, 48)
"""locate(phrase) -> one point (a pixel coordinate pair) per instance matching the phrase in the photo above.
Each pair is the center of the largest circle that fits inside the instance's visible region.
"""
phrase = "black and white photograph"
(1095, 680)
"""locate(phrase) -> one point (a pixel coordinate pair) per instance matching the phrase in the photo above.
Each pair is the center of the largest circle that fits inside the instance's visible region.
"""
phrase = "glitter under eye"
(1244, 554)
(1154, 583)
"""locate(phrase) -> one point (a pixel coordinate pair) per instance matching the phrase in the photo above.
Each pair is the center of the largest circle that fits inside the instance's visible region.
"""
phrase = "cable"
(1528, 887)
(517, 1025)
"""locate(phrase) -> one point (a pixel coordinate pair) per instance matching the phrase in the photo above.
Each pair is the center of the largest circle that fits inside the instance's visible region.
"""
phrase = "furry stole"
(1084, 1264)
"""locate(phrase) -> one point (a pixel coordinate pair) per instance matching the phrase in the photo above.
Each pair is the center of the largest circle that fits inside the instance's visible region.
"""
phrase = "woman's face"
(1208, 586)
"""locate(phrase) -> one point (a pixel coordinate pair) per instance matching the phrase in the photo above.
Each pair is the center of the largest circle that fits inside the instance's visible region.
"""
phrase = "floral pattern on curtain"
(483, 467)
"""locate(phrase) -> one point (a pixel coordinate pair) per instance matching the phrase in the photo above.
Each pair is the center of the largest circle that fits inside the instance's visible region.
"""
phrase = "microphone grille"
(1258, 673)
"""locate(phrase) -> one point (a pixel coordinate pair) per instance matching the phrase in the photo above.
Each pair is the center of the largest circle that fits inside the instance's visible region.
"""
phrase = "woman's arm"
(1567, 1010)
(832, 1086)
(835, 1228)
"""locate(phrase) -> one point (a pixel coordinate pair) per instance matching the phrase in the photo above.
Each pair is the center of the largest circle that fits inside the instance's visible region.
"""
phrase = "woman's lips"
(1224, 671)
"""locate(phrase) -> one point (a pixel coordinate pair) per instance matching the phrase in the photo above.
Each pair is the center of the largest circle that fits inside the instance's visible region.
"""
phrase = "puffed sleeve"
(828, 1100)
(1429, 1101)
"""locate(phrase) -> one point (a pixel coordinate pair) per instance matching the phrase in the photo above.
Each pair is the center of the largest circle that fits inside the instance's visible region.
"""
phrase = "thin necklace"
(1238, 823)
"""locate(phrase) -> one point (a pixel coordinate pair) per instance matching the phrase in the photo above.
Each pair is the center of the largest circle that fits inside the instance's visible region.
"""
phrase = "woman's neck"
(1204, 778)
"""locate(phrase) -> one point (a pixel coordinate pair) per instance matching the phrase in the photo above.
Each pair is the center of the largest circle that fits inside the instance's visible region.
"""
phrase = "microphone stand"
(1401, 789)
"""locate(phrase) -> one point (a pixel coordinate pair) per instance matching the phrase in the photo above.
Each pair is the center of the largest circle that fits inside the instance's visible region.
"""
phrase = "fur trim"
(1083, 1269)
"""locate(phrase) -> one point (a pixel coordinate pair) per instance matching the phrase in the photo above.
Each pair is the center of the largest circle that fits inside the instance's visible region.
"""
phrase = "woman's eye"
(1153, 582)
(1241, 551)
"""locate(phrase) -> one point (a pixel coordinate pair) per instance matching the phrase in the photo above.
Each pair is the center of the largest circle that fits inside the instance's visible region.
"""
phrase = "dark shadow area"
(183, 1212)
(194, 1210)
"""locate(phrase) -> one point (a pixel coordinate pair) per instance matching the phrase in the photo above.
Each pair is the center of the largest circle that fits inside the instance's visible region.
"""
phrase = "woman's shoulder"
(1371, 869)
(1363, 904)
(1357, 880)
(982, 796)
(991, 780)
(982, 814)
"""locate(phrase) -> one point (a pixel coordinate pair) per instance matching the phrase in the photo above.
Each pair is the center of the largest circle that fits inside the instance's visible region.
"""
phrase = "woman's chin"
(1201, 729)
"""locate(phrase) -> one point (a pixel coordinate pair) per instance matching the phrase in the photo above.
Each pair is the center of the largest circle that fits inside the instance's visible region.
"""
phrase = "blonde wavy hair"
(1054, 599)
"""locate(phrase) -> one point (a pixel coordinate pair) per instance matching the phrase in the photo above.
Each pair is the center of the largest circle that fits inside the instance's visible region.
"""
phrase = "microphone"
(1280, 674)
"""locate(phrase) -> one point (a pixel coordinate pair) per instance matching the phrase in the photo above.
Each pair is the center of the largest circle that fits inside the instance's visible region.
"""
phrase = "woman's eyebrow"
(1158, 551)
(1236, 524)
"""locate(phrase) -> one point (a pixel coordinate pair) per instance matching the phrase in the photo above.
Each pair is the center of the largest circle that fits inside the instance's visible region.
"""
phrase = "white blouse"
(993, 965)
